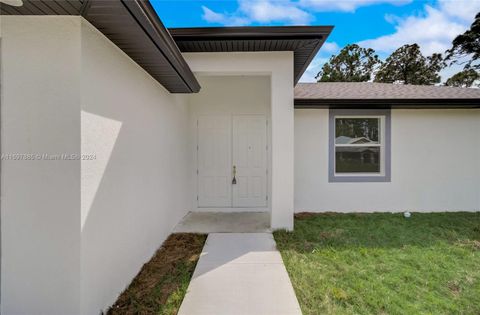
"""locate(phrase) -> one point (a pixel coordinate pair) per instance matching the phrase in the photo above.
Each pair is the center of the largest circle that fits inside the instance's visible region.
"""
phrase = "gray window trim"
(331, 145)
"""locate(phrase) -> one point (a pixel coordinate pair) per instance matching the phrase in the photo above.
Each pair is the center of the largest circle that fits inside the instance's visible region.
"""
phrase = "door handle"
(234, 180)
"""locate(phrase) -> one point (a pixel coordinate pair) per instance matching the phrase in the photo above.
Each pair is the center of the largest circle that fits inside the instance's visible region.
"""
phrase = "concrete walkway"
(240, 273)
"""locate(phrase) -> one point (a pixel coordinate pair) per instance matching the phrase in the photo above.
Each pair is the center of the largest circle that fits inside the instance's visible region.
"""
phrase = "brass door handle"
(234, 180)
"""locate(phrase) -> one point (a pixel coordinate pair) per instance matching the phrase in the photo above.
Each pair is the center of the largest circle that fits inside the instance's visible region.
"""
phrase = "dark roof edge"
(319, 33)
(388, 103)
(312, 55)
(251, 32)
(148, 19)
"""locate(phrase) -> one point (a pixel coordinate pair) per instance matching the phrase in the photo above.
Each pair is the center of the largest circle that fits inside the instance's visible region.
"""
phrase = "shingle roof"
(357, 94)
(369, 90)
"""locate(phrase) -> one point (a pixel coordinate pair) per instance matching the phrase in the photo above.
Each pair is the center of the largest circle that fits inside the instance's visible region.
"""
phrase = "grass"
(384, 264)
(161, 284)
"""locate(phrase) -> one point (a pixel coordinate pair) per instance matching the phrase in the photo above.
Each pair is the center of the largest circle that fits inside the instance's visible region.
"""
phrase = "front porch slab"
(224, 222)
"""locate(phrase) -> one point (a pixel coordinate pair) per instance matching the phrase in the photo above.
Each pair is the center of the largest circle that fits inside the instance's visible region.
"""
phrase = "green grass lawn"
(384, 264)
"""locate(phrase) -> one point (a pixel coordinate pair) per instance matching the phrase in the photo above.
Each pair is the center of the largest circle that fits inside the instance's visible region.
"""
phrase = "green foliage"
(384, 263)
(465, 78)
(409, 66)
(467, 44)
(352, 64)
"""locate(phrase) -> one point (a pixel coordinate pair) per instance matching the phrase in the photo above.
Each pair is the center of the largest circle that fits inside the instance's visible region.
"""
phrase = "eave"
(303, 41)
(133, 26)
(387, 103)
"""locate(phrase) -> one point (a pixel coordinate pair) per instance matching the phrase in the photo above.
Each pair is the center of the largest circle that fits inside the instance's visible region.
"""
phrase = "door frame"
(268, 158)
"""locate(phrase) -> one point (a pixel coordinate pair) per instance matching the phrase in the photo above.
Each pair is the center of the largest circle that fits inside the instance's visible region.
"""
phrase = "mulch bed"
(160, 285)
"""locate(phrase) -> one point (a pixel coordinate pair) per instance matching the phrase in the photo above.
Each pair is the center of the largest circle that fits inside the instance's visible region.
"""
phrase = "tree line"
(407, 64)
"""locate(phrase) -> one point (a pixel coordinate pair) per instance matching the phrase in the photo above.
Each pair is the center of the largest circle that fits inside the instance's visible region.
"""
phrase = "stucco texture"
(435, 165)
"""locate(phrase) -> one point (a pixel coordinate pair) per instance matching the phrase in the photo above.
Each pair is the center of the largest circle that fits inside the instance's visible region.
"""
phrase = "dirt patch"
(160, 285)
(331, 234)
(474, 244)
(304, 215)
(454, 288)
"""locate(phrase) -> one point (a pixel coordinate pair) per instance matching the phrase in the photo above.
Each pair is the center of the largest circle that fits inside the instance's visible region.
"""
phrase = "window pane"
(356, 130)
(357, 159)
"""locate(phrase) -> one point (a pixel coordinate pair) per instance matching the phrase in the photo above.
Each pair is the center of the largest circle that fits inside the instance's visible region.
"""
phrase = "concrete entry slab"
(240, 273)
(224, 222)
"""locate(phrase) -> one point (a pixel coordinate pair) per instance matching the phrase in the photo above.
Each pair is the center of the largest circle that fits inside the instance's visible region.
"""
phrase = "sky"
(383, 25)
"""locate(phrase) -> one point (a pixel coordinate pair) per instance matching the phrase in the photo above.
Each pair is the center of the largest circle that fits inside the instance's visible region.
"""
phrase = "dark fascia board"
(319, 33)
(146, 16)
(250, 32)
(310, 57)
(85, 6)
(143, 14)
(388, 103)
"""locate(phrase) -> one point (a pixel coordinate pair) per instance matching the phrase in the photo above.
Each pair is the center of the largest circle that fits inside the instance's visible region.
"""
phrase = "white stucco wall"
(75, 233)
(40, 200)
(137, 189)
(227, 96)
(279, 66)
(435, 165)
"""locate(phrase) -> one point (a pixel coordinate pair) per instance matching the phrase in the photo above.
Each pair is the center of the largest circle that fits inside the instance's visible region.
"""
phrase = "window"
(359, 145)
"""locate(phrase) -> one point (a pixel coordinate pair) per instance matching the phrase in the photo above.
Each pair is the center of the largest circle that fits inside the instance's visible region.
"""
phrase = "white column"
(282, 112)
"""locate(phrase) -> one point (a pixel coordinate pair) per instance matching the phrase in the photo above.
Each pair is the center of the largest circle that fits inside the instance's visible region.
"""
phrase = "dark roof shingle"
(356, 94)
(369, 90)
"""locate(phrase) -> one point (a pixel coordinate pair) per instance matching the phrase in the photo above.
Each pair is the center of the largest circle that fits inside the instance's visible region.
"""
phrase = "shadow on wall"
(130, 198)
(134, 189)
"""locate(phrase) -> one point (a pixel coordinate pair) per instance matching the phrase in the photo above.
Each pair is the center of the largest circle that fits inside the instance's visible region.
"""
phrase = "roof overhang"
(133, 26)
(388, 103)
(304, 41)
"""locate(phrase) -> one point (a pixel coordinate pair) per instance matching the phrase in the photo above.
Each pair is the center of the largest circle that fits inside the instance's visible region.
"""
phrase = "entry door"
(250, 161)
(214, 160)
(226, 143)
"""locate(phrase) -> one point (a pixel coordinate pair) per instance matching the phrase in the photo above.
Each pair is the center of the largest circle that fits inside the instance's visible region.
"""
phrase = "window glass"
(361, 159)
(357, 130)
(359, 145)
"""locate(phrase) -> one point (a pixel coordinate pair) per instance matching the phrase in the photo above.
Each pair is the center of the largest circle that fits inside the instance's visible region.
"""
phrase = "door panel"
(250, 159)
(214, 161)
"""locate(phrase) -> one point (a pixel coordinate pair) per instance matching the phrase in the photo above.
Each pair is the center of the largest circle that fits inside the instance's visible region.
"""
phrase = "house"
(113, 128)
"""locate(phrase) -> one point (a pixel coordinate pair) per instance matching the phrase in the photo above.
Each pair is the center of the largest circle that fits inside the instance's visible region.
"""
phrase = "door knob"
(234, 180)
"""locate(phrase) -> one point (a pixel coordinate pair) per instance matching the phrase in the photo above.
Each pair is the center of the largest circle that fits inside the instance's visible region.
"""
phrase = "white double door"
(232, 147)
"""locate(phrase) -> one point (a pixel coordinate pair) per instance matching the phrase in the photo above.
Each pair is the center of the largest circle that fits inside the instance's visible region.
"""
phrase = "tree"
(409, 66)
(465, 78)
(467, 44)
(352, 64)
